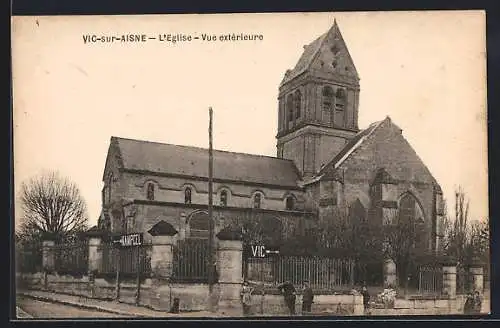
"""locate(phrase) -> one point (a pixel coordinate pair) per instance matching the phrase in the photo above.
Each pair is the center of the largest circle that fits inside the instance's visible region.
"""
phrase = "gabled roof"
(349, 148)
(165, 158)
(389, 174)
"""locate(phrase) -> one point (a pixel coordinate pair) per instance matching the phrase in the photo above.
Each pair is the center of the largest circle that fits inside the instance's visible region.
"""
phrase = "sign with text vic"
(260, 251)
(128, 240)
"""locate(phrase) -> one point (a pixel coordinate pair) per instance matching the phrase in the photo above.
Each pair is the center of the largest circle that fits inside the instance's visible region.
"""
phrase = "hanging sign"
(133, 239)
(261, 251)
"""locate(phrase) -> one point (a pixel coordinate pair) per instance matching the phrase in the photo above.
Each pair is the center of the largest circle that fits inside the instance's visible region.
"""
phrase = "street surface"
(46, 310)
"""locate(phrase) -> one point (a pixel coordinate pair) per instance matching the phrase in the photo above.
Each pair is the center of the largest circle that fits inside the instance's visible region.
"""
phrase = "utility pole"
(210, 205)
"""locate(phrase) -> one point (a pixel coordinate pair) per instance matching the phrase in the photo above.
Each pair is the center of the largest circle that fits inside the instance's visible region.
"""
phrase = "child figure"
(246, 298)
(307, 298)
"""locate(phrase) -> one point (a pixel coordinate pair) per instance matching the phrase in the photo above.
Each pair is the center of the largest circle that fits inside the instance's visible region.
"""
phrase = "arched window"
(290, 203)
(187, 196)
(298, 103)
(289, 108)
(357, 212)
(150, 193)
(257, 200)
(407, 209)
(340, 102)
(223, 198)
(199, 225)
(411, 220)
(327, 98)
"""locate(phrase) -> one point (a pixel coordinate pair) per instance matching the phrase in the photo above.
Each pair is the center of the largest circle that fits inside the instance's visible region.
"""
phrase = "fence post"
(450, 280)
(229, 262)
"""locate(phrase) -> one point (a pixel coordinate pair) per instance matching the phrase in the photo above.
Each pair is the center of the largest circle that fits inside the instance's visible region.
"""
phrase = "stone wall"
(158, 296)
(267, 304)
(424, 307)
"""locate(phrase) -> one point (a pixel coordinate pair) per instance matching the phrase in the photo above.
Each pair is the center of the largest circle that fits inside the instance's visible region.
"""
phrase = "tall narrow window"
(187, 196)
(327, 98)
(256, 201)
(150, 194)
(298, 104)
(290, 203)
(327, 104)
(223, 198)
(340, 102)
(289, 108)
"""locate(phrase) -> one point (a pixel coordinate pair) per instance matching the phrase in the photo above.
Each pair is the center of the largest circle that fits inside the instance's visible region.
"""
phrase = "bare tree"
(465, 239)
(51, 204)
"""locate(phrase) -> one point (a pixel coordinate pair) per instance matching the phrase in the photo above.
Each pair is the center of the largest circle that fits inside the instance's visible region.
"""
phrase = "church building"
(325, 164)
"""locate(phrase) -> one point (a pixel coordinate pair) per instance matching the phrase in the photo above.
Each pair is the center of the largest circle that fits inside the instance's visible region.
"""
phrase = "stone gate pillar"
(95, 237)
(476, 272)
(162, 249)
(230, 265)
(450, 280)
(182, 226)
(48, 256)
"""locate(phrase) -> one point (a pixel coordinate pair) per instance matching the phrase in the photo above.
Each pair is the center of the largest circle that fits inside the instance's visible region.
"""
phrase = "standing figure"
(366, 299)
(478, 302)
(469, 304)
(289, 293)
(246, 298)
(307, 298)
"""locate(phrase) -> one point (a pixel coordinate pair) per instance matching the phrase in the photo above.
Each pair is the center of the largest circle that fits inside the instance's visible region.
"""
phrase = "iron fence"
(322, 273)
(190, 260)
(430, 280)
(71, 258)
(130, 260)
(29, 259)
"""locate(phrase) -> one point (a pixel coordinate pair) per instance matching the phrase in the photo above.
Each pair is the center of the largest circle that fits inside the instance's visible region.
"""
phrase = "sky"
(426, 70)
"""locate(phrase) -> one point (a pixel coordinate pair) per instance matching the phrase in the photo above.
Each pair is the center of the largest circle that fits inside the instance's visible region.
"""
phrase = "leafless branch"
(53, 204)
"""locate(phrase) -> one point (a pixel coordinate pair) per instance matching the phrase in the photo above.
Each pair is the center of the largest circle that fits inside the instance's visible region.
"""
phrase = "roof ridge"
(201, 148)
(373, 126)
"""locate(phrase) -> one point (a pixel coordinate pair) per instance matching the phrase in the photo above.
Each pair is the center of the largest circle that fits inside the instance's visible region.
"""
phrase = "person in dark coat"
(469, 304)
(366, 299)
(307, 298)
(478, 302)
(289, 292)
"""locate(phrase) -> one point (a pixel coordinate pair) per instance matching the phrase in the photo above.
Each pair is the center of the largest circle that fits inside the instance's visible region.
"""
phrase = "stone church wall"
(168, 189)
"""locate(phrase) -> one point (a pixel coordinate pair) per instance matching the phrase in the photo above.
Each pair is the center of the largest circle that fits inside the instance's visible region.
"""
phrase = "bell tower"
(318, 104)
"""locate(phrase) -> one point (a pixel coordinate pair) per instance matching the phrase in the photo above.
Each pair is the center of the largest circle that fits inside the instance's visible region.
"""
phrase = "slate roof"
(354, 143)
(193, 161)
(310, 52)
(305, 60)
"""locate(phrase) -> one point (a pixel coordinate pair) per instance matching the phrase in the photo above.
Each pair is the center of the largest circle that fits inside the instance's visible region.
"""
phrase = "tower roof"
(332, 39)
